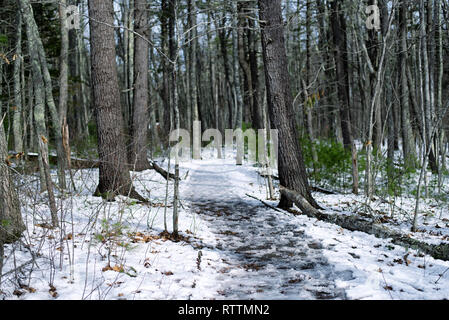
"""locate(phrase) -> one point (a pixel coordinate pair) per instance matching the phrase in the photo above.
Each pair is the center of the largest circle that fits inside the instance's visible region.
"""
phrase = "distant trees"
(179, 61)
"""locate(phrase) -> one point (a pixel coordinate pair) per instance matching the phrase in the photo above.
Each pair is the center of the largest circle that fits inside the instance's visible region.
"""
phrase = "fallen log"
(161, 171)
(313, 188)
(264, 175)
(367, 224)
(77, 163)
(264, 203)
(322, 190)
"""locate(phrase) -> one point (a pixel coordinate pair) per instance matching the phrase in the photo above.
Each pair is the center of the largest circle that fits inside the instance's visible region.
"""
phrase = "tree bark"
(342, 70)
(39, 107)
(42, 67)
(114, 174)
(408, 145)
(11, 223)
(292, 171)
(139, 156)
(18, 111)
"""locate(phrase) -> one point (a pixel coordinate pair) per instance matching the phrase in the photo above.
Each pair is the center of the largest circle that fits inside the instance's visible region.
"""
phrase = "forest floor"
(232, 246)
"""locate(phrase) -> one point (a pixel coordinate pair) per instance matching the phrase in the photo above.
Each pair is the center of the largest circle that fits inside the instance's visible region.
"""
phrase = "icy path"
(268, 255)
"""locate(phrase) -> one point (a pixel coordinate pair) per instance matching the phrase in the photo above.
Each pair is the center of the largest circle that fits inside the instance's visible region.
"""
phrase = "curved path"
(269, 257)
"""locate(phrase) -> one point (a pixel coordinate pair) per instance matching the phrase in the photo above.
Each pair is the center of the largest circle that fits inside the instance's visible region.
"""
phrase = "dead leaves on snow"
(24, 288)
(116, 268)
(140, 237)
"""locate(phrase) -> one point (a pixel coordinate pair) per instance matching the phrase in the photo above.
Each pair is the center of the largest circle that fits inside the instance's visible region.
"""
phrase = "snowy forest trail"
(267, 253)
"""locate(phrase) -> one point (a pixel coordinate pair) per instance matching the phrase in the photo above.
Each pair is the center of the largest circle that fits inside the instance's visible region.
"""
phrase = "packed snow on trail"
(232, 246)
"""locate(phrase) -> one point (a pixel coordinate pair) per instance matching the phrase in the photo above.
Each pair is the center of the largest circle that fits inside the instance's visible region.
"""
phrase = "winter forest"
(224, 150)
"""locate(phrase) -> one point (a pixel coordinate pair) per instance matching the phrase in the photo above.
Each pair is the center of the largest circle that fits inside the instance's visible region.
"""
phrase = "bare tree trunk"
(257, 117)
(292, 171)
(63, 63)
(165, 119)
(408, 145)
(11, 223)
(39, 53)
(426, 72)
(309, 103)
(39, 107)
(63, 86)
(238, 103)
(342, 70)
(139, 156)
(114, 174)
(18, 110)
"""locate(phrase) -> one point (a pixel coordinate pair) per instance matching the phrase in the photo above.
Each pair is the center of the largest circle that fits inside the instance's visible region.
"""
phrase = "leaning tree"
(292, 171)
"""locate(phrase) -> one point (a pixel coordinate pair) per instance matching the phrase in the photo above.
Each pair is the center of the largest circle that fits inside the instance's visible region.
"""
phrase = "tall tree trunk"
(193, 60)
(138, 156)
(63, 63)
(408, 145)
(11, 223)
(238, 103)
(427, 86)
(39, 107)
(227, 91)
(33, 34)
(114, 174)
(309, 103)
(292, 171)
(165, 119)
(18, 101)
(63, 85)
(342, 70)
(257, 117)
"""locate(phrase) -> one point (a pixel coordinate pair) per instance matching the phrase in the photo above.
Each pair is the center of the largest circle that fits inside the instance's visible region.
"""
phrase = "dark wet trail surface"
(268, 254)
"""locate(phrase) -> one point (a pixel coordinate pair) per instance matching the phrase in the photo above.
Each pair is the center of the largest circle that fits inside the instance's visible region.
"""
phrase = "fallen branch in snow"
(77, 163)
(441, 275)
(266, 204)
(264, 175)
(315, 188)
(161, 171)
(366, 223)
(17, 269)
(322, 190)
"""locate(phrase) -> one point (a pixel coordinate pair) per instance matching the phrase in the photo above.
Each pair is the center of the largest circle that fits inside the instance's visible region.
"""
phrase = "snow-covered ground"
(233, 247)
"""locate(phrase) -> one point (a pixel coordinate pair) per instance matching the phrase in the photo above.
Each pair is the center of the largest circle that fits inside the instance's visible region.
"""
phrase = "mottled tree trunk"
(11, 223)
(33, 35)
(342, 70)
(238, 103)
(114, 174)
(138, 156)
(292, 171)
(39, 106)
(17, 124)
(408, 145)
(257, 117)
